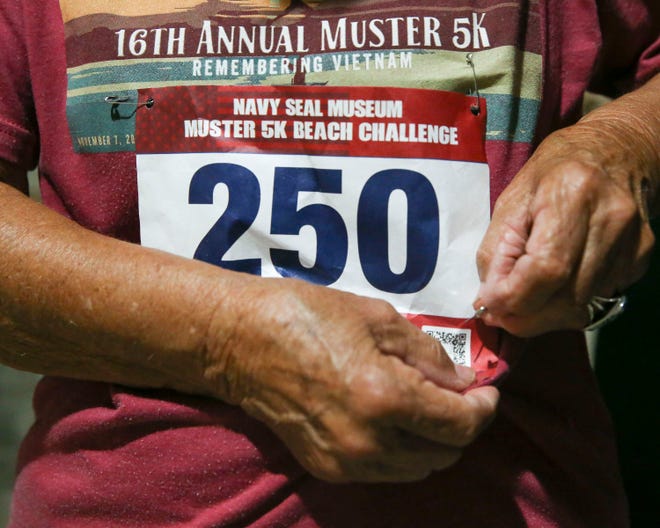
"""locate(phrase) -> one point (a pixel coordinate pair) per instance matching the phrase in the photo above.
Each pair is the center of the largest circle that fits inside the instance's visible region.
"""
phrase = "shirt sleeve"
(18, 136)
(630, 54)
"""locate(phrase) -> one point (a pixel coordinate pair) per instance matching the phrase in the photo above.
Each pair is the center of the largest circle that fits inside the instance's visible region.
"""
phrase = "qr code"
(456, 342)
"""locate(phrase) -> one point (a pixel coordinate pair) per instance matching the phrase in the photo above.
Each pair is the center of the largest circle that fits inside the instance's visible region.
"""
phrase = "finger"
(555, 246)
(628, 242)
(446, 417)
(510, 224)
(616, 253)
(404, 453)
(558, 313)
(419, 350)
(611, 245)
(402, 457)
(603, 274)
(551, 292)
(547, 266)
(508, 250)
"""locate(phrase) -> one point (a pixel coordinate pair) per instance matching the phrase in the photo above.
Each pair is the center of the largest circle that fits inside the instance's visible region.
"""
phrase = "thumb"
(424, 353)
(510, 247)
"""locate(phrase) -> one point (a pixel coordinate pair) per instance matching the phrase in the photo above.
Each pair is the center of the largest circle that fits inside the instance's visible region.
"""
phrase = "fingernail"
(465, 374)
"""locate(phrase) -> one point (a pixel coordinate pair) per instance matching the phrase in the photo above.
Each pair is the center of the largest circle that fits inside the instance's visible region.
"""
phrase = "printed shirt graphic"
(115, 48)
(139, 69)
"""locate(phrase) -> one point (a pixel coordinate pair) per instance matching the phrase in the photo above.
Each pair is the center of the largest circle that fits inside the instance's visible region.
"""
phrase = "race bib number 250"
(379, 191)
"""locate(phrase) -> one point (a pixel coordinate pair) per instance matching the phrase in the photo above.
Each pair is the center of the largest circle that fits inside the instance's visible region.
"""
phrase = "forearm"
(78, 304)
(631, 124)
(336, 376)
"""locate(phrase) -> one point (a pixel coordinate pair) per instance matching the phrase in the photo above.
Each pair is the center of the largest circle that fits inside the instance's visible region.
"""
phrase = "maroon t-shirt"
(107, 455)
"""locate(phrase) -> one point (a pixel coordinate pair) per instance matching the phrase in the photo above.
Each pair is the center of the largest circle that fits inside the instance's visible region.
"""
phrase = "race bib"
(383, 192)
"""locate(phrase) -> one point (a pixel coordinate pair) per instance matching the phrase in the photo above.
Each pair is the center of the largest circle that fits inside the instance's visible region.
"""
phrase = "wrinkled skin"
(357, 393)
(574, 223)
(354, 390)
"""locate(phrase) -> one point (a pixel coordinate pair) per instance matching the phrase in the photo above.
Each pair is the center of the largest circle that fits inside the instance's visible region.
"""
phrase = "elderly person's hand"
(574, 223)
(355, 391)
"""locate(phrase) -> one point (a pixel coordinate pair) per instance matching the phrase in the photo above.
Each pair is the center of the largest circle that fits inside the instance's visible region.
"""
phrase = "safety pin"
(476, 315)
(476, 109)
(116, 100)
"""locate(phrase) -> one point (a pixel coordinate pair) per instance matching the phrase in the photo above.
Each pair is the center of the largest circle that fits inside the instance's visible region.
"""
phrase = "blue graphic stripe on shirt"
(97, 126)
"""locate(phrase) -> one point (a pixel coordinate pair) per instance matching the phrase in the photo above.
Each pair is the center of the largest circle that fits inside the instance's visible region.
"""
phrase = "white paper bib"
(383, 192)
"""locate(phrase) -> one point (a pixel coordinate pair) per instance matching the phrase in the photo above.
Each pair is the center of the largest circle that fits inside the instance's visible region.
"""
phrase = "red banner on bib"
(313, 120)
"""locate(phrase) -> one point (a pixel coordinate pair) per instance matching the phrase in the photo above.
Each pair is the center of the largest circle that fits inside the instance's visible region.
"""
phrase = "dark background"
(628, 370)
